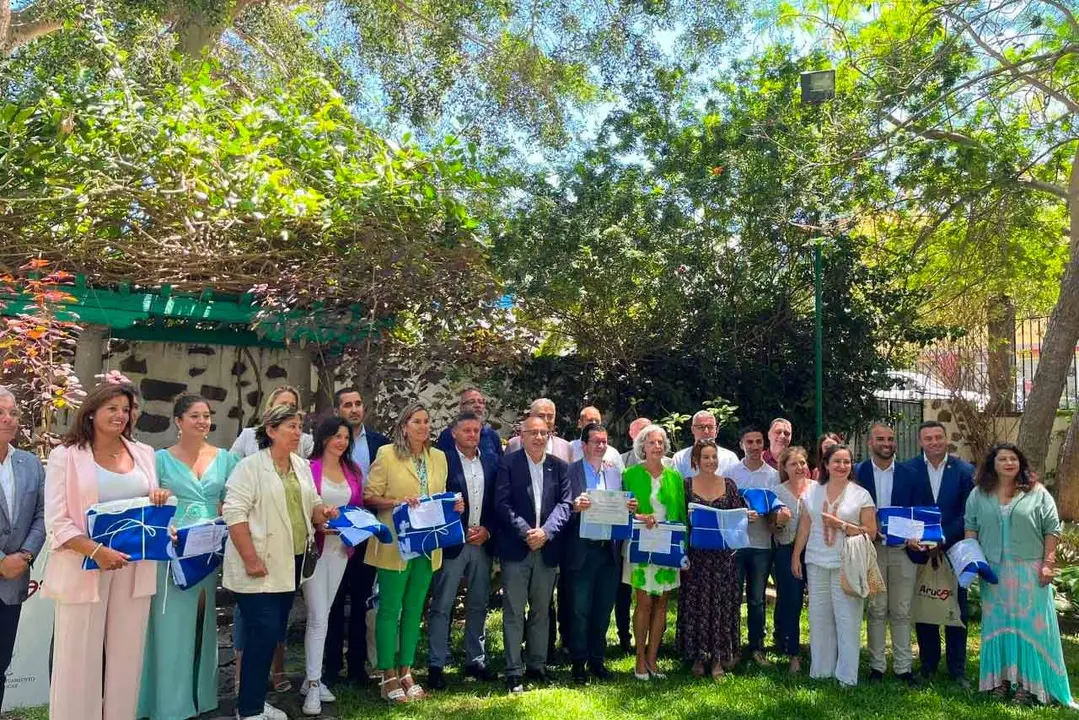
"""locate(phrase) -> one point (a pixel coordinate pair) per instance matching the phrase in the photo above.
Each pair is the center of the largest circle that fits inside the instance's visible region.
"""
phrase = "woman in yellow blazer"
(402, 473)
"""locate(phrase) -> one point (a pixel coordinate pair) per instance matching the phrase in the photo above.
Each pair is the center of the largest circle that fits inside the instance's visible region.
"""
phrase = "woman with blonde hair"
(402, 472)
(246, 444)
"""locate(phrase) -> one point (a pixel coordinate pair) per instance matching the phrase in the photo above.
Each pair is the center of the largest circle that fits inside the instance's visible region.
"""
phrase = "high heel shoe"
(641, 676)
(656, 674)
(394, 696)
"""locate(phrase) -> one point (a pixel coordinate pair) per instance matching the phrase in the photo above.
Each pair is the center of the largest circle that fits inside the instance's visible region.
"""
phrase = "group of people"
(522, 505)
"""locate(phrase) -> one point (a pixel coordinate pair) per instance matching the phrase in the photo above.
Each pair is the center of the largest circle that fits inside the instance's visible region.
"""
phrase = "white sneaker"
(324, 693)
(269, 712)
(312, 705)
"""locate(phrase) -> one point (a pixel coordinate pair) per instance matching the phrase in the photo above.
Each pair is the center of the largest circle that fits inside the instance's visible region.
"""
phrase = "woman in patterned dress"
(709, 601)
(1015, 521)
(660, 495)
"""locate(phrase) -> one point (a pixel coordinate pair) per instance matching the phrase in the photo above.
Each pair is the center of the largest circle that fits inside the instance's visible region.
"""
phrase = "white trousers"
(318, 595)
(892, 607)
(835, 627)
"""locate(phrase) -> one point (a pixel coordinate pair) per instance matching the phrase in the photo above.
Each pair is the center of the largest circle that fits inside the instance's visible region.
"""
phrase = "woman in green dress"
(660, 495)
(179, 678)
(1015, 521)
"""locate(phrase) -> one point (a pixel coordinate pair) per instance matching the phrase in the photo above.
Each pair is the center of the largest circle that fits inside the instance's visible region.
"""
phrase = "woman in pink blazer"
(106, 608)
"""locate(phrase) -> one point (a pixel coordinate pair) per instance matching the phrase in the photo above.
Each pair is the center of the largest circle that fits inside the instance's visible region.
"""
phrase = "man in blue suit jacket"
(473, 401)
(889, 484)
(471, 473)
(22, 526)
(359, 579)
(945, 481)
(591, 566)
(532, 506)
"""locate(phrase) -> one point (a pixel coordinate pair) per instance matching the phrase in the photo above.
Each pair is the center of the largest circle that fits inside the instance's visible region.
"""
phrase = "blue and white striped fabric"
(761, 500)
(135, 527)
(433, 525)
(197, 552)
(663, 545)
(354, 525)
(922, 521)
(969, 563)
(715, 529)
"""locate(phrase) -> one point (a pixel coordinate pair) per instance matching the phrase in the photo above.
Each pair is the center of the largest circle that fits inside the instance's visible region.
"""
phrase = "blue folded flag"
(761, 500)
(663, 545)
(432, 525)
(969, 563)
(197, 552)
(714, 529)
(134, 527)
(922, 521)
(355, 525)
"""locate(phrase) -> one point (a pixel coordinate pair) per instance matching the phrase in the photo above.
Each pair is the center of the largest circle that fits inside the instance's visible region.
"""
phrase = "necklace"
(830, 508)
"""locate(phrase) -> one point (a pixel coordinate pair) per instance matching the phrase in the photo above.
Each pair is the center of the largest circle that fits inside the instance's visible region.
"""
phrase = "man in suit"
(544, 409)
(889, 484)
(532, 506)
(472, 473)
(946, 481)
(22, 526)
(473, 401)
(359, 577)
(592, 565)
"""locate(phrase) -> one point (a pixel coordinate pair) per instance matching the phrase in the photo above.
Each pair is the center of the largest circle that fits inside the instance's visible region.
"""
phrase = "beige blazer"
(391, 477)
(254, 494)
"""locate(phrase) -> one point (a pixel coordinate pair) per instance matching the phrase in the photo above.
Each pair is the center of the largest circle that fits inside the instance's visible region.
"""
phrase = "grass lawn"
(748, 693)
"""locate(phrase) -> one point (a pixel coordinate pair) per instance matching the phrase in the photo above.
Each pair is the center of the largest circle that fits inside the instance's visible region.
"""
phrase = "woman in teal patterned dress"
(179, 678)
(1015, 521)
(660, 494)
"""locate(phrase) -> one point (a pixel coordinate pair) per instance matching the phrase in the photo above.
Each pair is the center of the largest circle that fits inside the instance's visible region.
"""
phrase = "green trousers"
(401, 596)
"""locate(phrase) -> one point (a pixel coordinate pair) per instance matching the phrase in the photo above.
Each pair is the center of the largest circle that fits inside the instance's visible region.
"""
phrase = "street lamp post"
(818, 87)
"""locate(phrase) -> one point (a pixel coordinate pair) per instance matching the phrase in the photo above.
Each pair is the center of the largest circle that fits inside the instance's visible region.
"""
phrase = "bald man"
(544, 408)
(591, 415)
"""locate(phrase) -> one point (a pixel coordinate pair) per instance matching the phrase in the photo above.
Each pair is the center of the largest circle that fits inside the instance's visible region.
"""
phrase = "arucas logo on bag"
(934, 593)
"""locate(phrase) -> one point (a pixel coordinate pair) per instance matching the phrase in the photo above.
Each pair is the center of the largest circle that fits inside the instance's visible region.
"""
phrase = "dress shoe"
(480, 672)
(909, 678)
(962, 682)
(875, 676)
(514, 685)
(600, 671)
(436, 680)
(538, 676)
(580, 674)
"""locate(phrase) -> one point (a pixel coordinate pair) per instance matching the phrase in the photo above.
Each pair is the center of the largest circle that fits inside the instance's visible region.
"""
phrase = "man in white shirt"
(704, 427)
(754, 562)
(591, 415)
(889, 484)
(532, 506)
(544, 409)
(471, 473)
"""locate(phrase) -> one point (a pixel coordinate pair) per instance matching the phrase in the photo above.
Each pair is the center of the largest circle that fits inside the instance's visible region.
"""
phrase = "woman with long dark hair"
(1015, 521)
(101, 615)
(339, 481)
(179, 678)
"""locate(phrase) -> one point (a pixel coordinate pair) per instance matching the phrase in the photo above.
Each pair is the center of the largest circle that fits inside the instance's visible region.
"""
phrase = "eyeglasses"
(536, 433)
(704, 427)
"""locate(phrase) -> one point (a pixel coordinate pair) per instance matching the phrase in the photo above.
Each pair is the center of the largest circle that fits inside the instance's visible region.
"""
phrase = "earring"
(179, 433)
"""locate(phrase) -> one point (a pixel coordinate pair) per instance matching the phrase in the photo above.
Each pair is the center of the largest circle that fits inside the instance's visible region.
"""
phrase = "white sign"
(27, 681)
(904, 527)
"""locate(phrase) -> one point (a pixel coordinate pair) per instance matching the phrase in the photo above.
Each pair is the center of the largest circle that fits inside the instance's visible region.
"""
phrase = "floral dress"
(709, 603)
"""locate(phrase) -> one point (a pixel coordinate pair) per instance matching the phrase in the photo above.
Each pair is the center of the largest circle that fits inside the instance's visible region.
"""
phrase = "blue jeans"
(753, 568)
(265, 614)
(790, 599)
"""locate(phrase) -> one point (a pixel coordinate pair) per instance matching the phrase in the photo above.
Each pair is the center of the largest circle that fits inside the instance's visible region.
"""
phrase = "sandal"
(394, 695)
(280, 682)
(1000, 692)
(698, 669)
(1023, 697)
(717, 672)
(412, 689)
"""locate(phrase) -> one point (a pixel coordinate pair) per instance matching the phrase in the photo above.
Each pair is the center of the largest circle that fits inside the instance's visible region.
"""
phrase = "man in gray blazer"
(22, 525)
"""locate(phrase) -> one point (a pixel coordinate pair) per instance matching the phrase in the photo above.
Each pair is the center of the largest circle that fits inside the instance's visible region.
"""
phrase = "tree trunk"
(1001, 369)
(1068, 473)
(1057, 347)
(197, 31)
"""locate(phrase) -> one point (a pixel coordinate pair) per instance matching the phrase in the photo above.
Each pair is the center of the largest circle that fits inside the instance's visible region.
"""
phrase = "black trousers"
(356, 590)
(955, 639)
(9, 626)
(622, 599)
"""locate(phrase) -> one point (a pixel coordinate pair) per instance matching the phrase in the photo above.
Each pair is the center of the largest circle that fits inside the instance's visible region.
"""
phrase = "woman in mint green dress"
(1015, 521)
(179, 678)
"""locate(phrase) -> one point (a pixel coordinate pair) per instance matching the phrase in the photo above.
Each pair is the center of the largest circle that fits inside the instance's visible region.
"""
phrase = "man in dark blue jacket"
(532, 506)
(889, 484)
(473, 401)
(471, 473)
(359, 577)
(945, 481)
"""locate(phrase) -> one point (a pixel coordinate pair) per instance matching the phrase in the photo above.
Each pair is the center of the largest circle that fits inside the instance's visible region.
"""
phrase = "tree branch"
(21, 27)
(1068, 17)
(931, 134)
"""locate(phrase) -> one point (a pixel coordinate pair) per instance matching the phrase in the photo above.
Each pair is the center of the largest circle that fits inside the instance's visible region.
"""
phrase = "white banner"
(27, 681)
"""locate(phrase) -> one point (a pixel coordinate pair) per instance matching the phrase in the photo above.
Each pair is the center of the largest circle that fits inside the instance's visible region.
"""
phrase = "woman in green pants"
(402, 472)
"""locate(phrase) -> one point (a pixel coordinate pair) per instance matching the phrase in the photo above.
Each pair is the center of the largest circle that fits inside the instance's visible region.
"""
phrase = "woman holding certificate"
(830, 511)
(105, 609)
(1015, 521)
(660, 497)
(271, 509)
(179, 678)
(402, 473)
(709, 607)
